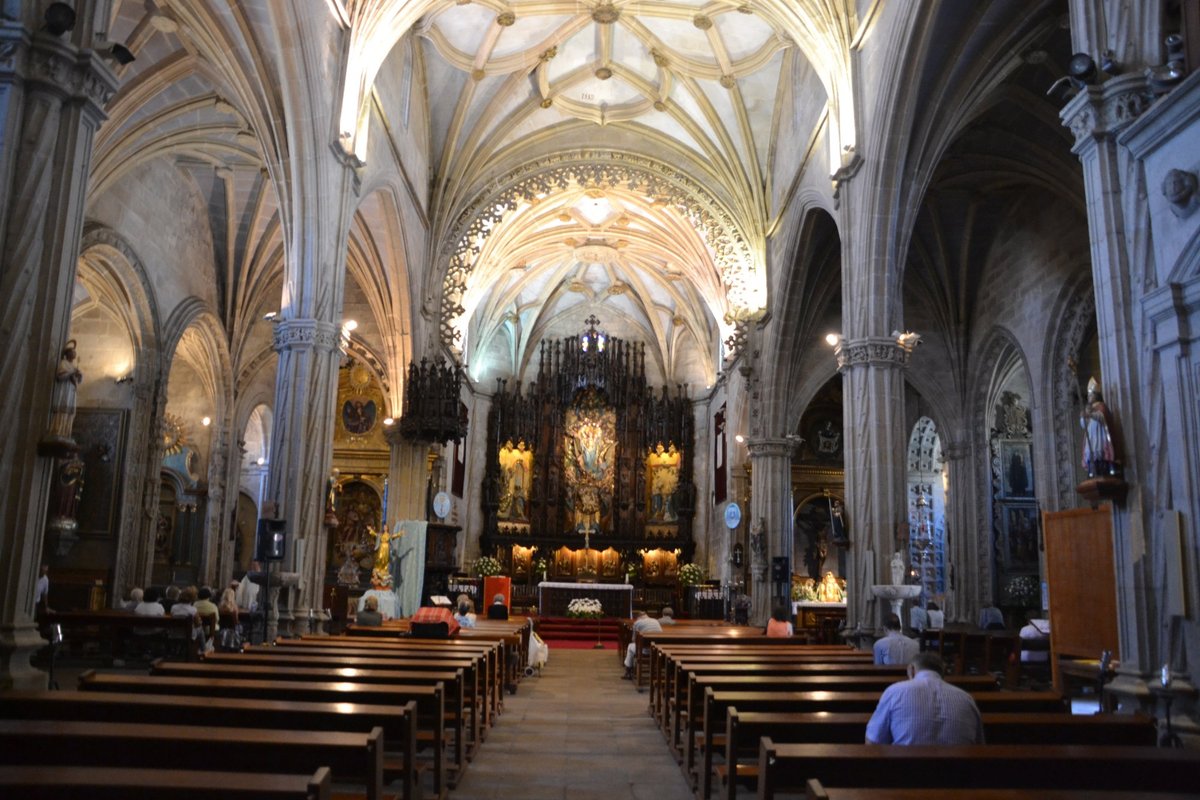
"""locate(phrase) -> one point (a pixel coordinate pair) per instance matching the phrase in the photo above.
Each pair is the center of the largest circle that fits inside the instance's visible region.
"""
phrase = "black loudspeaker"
(271, 542)
(780, 571)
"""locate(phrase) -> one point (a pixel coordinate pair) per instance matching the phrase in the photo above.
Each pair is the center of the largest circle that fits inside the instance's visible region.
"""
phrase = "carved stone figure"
(1099, 457)
(67, 378)
(897, 569)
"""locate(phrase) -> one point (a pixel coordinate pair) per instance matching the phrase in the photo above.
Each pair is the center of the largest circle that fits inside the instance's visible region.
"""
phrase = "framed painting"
(1020, 529)
(1016, 469)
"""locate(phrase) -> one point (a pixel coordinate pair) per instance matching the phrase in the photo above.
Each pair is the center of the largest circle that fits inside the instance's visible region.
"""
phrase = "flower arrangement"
(632, 570)
(585, 608)
(541, 566)
(805, 591)
(486, 566)
(691, 575)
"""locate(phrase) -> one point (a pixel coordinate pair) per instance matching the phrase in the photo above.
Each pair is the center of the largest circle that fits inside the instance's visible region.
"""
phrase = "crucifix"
(587, 534)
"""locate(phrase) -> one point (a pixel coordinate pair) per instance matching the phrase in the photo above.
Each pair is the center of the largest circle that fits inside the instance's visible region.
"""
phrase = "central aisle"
(578, 732)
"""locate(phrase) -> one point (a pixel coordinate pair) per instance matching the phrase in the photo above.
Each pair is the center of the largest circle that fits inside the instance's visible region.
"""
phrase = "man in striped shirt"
(925, 709)
(895, 648)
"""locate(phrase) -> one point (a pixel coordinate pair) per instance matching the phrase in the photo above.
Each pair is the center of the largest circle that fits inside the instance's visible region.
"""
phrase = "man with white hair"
(642, 623)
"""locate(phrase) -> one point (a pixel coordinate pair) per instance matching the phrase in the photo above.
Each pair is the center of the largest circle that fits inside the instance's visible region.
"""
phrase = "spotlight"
(114, 51)
(271, 316)
(261, 461)
(739, 438)
(832, 339)
(59, 19)
(350, 325)
(389, 421)
(206, 421)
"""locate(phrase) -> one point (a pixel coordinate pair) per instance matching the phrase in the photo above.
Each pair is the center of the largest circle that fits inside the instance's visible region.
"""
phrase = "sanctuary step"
(569, 629)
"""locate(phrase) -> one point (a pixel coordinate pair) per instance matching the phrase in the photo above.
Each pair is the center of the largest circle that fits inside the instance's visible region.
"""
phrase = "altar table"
(615, 598)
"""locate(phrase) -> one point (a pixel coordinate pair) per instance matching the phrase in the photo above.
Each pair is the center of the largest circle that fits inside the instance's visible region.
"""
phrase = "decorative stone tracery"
(736, 253)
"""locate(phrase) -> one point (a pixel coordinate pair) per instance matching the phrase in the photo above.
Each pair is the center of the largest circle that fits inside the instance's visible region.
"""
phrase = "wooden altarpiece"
(590, 466)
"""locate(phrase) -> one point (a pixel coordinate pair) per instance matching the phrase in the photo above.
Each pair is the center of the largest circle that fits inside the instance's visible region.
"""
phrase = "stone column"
(302, 450)
(52, 94)
(407, 477)
(771, 518)
(963, 570)
(873, 410)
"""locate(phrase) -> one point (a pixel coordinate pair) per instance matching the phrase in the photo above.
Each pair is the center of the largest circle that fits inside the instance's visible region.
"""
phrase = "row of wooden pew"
(381, 717)
(739, 709)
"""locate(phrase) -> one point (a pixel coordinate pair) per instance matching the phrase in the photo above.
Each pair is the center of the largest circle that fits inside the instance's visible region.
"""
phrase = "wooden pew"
(353, 758)
(744, 729)
(475, 666)
(429, 699)
(470, 669)
(398, 722)
(717, 705)
(701, 685)
(815, 791)
(115, 783)
(454, 712)
(118, 628)
(736, 638)
(786, 768)
(491, 652)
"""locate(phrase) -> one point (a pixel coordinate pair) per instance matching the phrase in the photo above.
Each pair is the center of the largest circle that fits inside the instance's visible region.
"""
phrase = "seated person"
(135, 598)
(497, 610)
(1035, 629)
(170, 597)
(186, 607)
(895, 648)
(918, 620)
(991, 619)
(925, 709)
(206, 607)
(779, 624)
(369, 615)
(937, 618)
(465, 614)
(149, 607)
(667, 617)
(642, 623)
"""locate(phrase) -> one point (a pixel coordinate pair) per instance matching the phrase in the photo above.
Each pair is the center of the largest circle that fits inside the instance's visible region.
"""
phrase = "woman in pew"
(465, 615)
(369, 615)
(779, 624)
(925, 709)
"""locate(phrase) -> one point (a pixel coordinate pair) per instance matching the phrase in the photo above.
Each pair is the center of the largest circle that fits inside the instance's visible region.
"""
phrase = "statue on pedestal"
(57, 441)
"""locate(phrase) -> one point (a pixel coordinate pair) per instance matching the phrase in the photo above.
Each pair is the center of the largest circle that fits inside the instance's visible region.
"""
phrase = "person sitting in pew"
(643, 623)
(186, 607)
(937, 617)
(149, 607)
(497, 610)
(135, 598)
(667, 617)
(1036, 629)
(779, 624)
(370, 615)
(204, 604)
(925, 709)
(895, 647)
(991, 618)
(465, 615)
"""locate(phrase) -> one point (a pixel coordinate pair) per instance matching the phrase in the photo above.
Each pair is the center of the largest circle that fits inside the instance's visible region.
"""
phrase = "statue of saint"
(1099, 457)
(67, 378)
(897, 569)
(381, 573)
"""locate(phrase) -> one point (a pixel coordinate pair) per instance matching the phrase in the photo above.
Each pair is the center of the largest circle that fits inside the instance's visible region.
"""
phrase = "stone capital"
(955, 450)
(1100, 112)
(308, 334)
(871, 351)
(767, 447)
(55, 65)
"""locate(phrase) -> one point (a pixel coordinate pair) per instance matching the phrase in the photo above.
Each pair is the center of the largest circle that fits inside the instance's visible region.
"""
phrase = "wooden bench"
(117, 629)
(744, 729)
(454, 713)
(472, 688)
(398, 722)
(115, 783)
(717, 705)
(734, 638)
(815, 791)
(786, 768)
(352, 758)
(429, 700)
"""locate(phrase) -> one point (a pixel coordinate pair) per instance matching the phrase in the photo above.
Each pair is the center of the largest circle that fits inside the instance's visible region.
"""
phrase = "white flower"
(585, 607)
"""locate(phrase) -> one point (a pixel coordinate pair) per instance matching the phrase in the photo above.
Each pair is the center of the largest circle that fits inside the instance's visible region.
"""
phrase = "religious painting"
(1019, 546)
(516, 468)
(587, 563)
(659, 566)
(360, 407)
(662, 479)
(564, 562)
(610, 563)
(589, 446)
(1016, 469)
(358, 508)
(522, 559)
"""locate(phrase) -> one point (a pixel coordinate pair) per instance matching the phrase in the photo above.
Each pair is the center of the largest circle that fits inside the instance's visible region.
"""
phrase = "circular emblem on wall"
(733, 515)
(441, 504)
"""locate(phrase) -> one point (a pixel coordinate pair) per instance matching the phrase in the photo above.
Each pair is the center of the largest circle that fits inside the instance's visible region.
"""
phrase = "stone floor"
(578, 732)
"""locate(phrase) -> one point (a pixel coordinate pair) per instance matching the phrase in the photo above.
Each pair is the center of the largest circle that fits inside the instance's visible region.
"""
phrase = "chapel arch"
(927, 480)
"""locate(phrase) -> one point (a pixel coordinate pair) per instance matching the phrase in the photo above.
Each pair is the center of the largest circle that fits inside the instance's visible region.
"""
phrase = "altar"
(615, 598)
